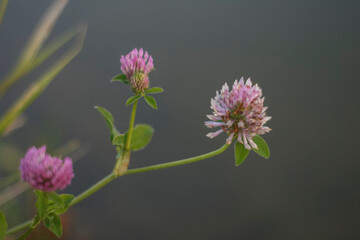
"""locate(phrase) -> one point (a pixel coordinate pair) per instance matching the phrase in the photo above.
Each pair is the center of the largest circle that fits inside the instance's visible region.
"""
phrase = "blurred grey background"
(304, 54)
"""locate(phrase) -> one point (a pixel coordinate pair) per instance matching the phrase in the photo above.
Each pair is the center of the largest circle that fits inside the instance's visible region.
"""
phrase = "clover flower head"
(44, 172)
(240, 113)
(136, 66)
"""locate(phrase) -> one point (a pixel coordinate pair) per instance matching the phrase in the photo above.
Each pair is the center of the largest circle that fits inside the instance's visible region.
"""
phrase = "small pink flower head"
(239, 112)
(45, 172)
(137, 66)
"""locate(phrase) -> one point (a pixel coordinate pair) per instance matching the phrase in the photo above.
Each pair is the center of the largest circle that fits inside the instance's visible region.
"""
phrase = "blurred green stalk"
(34, 45)
(40, 85)
(2, 9)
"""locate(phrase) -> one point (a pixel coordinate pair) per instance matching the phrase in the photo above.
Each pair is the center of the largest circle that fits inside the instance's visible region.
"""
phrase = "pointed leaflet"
(151, 101)
(132, 99)
(120, 78)
(53, 223)
(109, 121)
(240, 153)
(3, 225)
(263, 149)
(154, 90)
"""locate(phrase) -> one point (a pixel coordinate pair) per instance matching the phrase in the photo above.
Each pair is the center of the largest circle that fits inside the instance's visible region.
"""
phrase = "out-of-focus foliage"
(35, 54)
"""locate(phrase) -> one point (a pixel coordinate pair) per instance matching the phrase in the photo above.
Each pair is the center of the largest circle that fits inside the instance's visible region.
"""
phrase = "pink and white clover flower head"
(239, 112)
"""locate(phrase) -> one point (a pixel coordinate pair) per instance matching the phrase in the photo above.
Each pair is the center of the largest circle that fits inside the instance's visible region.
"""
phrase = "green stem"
(122, 162)
(179, 162)
(25, 234)
(20, 227)
(131, 126)
(93, 189)
(109, 178)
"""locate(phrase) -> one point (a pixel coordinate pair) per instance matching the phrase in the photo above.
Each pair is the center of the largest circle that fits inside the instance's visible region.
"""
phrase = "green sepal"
(120, 78)
(154, 90)
(132, 99)
(53, 223)
(109, 121)
(141, 136)
(3, 226)
(151, 101)
(240, 153)
(41, 203)
(263, 149)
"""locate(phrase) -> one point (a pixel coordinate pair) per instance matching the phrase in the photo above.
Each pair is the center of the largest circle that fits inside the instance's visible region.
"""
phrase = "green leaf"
(56, 199)
(141, 137)
(120, 78)
(132, 99)
(41, 203)
(53, 223)
(109, 121)
(240, 153)
(154, 90)
(151, 101)
(67, 198)
(263, 149)
(3, 225)
(119, 140)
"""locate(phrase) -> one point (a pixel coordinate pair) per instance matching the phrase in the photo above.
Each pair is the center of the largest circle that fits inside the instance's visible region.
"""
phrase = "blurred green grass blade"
(40, 85)
(34, 45)
(2, 9)
(55, 45)
(42, 31)
(6, 181)
(47, 51)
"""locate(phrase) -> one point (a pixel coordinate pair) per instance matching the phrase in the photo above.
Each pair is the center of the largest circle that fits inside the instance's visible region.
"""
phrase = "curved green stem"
(109, 178)
(19, 227)
(178, 162)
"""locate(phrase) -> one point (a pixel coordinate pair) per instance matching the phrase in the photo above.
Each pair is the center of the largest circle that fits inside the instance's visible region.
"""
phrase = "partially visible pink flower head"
(239, 112)
(45, 172)
(137, 66)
